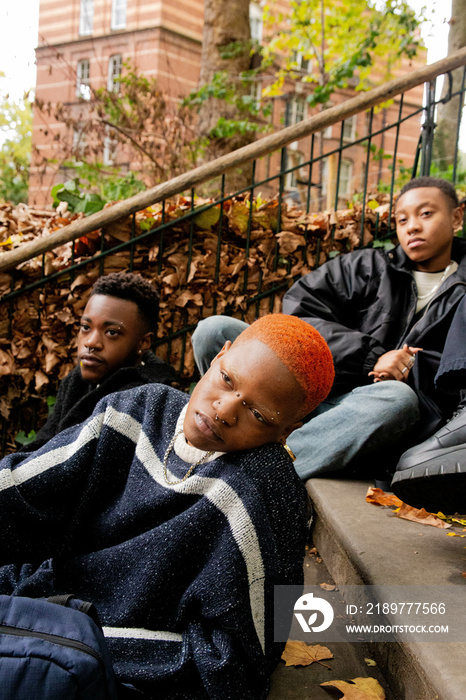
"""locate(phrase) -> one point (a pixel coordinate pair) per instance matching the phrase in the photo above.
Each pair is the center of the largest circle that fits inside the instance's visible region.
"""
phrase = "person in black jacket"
(113, 351)
(385, 316)
(172, 515)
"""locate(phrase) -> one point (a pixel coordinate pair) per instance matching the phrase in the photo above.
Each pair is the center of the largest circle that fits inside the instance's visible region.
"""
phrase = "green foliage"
(326, 44)
(51, 401)
(247, 106)
(446, 172)
(339, 44)
(80, 196)
(231, 50)
(15, 151)
(22, 439)
(386, 245)
(78, 201)
(226, 128)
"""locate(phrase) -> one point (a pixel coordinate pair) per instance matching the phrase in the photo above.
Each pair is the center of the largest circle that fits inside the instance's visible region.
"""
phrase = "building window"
(255, 95)
(345, 178)
(110, 147)
(115, 66)
(297, 110)
(299, 62)
(83, 89)
(294, 159)
(86, 17)
(118, 14)
(349, 128)
(255, 21)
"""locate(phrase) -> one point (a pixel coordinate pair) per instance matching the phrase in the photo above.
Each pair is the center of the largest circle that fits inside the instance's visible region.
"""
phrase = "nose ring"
(216, 417)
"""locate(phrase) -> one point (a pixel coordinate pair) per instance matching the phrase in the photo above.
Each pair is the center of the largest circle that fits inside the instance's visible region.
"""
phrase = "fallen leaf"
(302, 654)
(420, 515)
(463, 574)
(370, 662)
(450, 518)
(380, 498)
(358, 689)
(328, 586)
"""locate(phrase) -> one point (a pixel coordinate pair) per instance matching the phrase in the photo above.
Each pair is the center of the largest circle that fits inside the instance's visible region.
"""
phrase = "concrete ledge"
(365, 544)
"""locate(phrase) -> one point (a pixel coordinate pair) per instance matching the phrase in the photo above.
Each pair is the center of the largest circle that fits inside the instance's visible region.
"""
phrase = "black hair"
(426, 181)
(132, 287)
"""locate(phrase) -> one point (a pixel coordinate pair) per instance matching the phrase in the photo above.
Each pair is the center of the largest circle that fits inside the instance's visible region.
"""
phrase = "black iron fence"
(235, 253)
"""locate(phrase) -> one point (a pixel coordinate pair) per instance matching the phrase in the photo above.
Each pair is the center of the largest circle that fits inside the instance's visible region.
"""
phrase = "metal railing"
(223, 268)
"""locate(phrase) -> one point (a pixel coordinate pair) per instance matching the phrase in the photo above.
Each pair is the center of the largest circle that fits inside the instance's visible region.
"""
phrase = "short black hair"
(426, 181)
(132, 287)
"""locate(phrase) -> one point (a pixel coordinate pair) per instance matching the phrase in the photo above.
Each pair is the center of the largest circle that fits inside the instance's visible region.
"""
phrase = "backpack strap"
(83, 606)
(61, 599)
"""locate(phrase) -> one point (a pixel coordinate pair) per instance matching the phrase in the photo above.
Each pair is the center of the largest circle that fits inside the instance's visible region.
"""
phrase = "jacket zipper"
(61, 641)
(457, 283)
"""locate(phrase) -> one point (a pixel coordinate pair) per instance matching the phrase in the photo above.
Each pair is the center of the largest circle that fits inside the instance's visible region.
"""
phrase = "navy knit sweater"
(182, 575)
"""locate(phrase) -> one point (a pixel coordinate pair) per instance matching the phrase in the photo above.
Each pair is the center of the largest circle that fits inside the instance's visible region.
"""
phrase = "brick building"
(84, 43)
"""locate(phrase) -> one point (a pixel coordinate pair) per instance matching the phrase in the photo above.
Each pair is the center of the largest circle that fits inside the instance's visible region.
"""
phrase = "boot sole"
(437, 484)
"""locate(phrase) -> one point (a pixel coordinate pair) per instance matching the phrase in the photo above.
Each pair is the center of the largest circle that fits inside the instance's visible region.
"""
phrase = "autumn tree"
(15, 150)
(225, 121)
(134, 123)
(342, 44)
(330, 45)
(448, 112)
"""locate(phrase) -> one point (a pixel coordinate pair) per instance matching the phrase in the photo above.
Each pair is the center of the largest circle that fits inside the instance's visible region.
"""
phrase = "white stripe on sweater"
(35, 466)
(221, 495)
(141, 633)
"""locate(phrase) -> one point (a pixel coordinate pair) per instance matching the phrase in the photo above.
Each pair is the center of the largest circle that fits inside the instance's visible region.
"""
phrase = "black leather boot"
(432, 475)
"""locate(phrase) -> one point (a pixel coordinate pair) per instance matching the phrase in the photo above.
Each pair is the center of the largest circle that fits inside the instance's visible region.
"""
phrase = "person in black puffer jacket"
(116, 332)
(386, 317)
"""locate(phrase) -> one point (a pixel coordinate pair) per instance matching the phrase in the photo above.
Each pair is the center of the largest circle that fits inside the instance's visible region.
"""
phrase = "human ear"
(225, 349)
(145, 342)
(282, 439)
(458, 215)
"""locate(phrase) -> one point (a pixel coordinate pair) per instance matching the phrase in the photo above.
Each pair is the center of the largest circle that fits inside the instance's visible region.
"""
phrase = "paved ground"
(302, 682)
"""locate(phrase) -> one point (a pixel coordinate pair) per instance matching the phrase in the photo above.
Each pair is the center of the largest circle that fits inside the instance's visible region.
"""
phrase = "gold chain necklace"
(203, 459)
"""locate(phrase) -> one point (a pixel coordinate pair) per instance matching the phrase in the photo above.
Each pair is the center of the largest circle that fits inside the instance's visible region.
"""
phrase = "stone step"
(361, 543)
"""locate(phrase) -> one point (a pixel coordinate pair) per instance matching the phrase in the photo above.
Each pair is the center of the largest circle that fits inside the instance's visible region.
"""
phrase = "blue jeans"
(343, 427)
(211, 335)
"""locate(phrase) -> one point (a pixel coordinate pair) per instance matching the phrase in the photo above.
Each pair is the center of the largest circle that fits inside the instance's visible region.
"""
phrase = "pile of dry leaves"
(215, 263)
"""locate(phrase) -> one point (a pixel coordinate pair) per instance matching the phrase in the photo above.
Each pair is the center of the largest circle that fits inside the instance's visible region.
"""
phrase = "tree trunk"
(447, 115)
(225, 48)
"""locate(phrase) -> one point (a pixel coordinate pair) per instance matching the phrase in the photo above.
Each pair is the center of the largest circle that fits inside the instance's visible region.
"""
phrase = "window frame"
(256, 22)
(351, 122)
(86, 17)
(109, 151)
(119, 7)
(294, 159)
(113, 80)
(83, 80)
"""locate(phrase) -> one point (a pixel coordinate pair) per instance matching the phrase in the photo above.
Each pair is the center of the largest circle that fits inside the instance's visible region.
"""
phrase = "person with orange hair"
(172, 515)
(386, 317)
